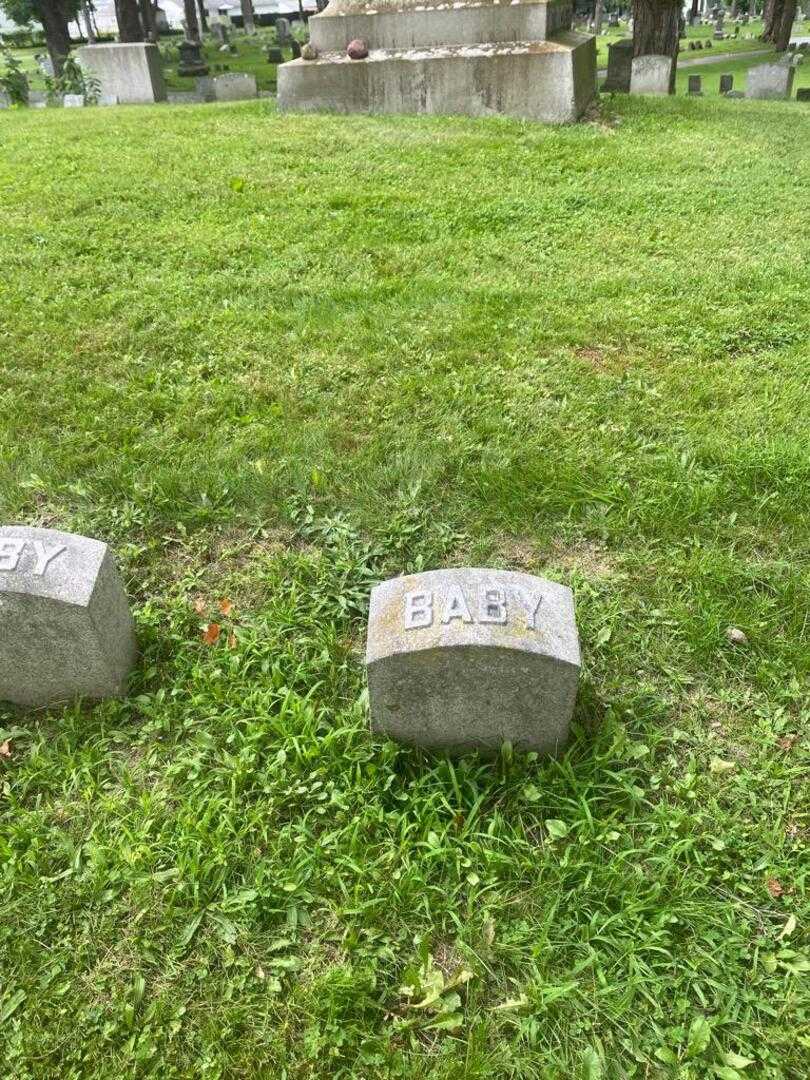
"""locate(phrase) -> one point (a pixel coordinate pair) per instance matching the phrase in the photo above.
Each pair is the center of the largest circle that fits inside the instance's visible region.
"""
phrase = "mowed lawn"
(274, 359)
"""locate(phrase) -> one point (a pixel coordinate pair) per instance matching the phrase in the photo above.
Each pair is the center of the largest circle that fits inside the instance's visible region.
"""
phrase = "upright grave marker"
(469, 659)
(65, 626)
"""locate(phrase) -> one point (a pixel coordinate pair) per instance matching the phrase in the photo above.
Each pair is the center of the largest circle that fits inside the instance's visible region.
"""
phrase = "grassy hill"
(274, 359)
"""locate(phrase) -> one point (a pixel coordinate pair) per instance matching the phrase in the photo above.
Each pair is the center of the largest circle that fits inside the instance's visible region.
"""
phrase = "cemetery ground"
(274, 359)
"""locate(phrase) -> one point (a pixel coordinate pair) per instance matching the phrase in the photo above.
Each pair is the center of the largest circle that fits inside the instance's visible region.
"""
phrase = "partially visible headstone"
(5, 100)
(695, 88)
(469, 659)
(65, 626)
(726, 83)
(295, 48)
(73, 101)
(283, 34)
(132, 72)
(620, 59)
(275, 55)
(45, 65)
(652, 75)
(769, 81)
(108, 99)
(205, 88)
(803, 93)
(234, 87)
(192, 61)
(220, 33)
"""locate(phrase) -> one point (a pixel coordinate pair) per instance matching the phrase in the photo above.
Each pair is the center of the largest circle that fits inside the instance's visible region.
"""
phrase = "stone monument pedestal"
(130, 72)
(517, 59)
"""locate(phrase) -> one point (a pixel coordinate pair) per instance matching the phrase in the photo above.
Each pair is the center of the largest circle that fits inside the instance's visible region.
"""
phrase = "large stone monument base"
(130, 72)
(517, 59)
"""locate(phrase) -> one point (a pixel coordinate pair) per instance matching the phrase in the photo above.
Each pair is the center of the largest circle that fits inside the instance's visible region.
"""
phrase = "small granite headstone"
(726, 83)
(283, 31)
(620, 58)
(192, 61)
(769, 81)
(695, 88)
(65, 625)
(652, 75)
(5, 100)
(73, 101)
(275, 55)
(803, 94)
(469, 659)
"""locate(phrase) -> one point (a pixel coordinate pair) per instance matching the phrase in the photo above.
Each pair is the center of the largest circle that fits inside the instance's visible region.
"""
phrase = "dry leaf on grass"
(5, 749)
(199, 605)
(211, 633)
(788, 742)
(231, 641)
(226, 606)
(775, 887)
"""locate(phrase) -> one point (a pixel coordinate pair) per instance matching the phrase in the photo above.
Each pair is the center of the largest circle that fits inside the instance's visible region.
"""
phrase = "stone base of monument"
(131, 72)
(469, 659)
(477, 59)
(65, 627)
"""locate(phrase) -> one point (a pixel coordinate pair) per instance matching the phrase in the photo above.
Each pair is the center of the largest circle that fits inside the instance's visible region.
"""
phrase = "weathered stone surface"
(620, 59)
(652, 75)
(73, 101)
(470, 658)
(726, 83)
(477, 58)
(695, 86)
(234, 87)
(769, 81)
(131, 72)
(65, 626)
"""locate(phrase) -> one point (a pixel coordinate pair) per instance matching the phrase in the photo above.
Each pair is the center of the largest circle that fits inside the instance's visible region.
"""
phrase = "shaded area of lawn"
(274, 358)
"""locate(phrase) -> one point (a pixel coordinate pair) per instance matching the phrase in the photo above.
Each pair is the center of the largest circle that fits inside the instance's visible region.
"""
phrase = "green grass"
(276, 358)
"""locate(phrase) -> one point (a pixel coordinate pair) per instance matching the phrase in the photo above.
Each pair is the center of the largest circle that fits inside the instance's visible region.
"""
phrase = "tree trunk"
(129, 21)
(148, 20)
(598, 14)
(88, 24)
(57, 35)
(784, 28)
(693, 14)
(771, 17)
(203, 16)
(656, 26)
(192, 25)
(248, 18)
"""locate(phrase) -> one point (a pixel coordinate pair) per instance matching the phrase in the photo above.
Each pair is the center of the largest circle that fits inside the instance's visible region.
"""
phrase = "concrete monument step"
(549, 80)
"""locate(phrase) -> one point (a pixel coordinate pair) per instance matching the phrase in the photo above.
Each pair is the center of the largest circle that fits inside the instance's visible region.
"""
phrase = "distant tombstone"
(709, 45)
(652, 75)
(108, 99)
(275, 55)
(469, 659)
(726, 83)
(45, 65)
(803, 94)
(234, 87)
(698, 44)
(205, 88)
(769, 81)
(695, 88)
(192, 61)
(295, 48)
(73, 101)
(220, 33)
(5, 100)
(613, 19)
(283, 31)
(66, 627)
(620, 59)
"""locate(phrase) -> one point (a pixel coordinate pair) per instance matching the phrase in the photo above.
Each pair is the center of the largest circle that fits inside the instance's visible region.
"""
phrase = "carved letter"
(531, 605)
(491, 605)
(10, 552)
(456, 606)
(418, 610)
(45, 555)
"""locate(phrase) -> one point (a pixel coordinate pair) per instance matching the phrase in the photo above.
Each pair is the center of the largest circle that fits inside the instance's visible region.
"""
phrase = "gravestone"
(803, 94)
(108, 99)
(192, 61)
(45, 65)
(726, 83)
(5, 100)
(220, 33)
(275, 55)
(65, 625)
(769, 81)
(695, 88)
(620, 60)
(73, 101)
(233, 87)
(132, 72)
(652, 75)
(486, 58)
(283, 34)
(468, 659)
